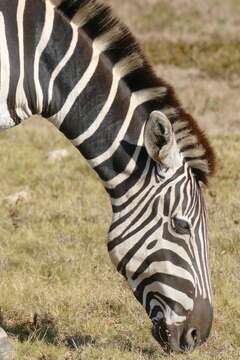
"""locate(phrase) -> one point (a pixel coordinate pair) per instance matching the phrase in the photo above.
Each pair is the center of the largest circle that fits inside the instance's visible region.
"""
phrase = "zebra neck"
(87, 98)
(105, 121)
(57, 70)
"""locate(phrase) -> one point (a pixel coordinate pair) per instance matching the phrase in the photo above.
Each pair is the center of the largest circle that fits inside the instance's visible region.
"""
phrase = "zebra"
(76, 64)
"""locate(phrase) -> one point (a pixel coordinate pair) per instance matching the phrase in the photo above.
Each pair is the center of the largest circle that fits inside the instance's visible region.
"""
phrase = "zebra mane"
(96, 20)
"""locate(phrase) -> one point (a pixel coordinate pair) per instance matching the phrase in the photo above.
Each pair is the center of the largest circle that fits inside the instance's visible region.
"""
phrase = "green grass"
(58, 304)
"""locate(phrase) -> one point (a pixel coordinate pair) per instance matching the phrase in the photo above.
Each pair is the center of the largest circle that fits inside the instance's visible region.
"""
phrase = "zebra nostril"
(191, 338)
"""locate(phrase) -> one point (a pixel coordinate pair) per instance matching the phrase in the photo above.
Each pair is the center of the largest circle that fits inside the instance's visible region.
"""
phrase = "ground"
(56, 303)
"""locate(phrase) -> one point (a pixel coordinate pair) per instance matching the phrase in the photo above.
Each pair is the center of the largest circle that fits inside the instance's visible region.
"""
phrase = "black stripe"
(166, 202)
(177, 194)
(70, 7)
(86, 109)
(34, 17)
(131, 199)
(132, 251)
(162, 255)
(70, 74)
(54, 52)
(102, 22)
(175, 282)
(120, 239)
(10, 18)
(132, 211)
(175, 239)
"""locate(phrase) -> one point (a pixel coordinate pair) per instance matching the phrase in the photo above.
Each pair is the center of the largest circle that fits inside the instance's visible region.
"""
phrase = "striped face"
(159, 243)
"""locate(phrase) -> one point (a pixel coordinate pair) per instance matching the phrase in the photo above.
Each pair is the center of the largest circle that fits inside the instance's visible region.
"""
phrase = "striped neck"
(82, 69)
(64, 72)
(97, 109)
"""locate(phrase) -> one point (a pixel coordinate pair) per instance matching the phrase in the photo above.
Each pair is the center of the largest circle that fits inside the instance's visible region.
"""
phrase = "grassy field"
(55, 303)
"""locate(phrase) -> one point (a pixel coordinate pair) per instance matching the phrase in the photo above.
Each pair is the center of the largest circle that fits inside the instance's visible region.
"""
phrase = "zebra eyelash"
(181, 226)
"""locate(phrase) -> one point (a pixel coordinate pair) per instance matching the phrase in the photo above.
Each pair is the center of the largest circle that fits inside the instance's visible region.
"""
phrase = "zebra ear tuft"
(160, 140)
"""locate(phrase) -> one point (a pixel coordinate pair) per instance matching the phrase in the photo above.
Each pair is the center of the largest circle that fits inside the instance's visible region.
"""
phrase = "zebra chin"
(186, 336)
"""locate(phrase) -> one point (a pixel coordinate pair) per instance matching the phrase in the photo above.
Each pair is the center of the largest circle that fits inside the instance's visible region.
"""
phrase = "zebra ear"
(160, 140)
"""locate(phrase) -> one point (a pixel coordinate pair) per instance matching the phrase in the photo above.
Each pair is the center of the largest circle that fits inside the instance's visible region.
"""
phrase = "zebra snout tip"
(185, 336)
(175, 338)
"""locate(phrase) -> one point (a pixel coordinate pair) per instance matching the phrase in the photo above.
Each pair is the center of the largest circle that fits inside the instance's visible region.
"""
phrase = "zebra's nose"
(168, 336)
(189, 341)
(176, 338)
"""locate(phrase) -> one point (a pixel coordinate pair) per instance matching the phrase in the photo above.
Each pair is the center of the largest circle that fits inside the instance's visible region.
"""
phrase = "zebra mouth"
(164, 338)
(173, 338)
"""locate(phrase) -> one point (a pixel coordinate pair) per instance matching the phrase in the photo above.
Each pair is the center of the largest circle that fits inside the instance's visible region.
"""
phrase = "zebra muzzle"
(174, 338)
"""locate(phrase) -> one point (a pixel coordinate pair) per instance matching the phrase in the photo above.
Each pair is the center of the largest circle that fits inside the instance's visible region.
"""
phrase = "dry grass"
(213, 102)
(194, 45)
(216, 58)
(58, 304)
(181, 18)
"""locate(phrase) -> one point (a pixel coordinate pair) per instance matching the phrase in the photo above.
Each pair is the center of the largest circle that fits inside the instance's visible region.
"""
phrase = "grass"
(181, 18)
(61, 299)
(215, 58)
(191, 18)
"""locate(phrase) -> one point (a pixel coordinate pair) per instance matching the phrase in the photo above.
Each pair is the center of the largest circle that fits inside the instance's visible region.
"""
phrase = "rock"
(22, 196)
(6, 350)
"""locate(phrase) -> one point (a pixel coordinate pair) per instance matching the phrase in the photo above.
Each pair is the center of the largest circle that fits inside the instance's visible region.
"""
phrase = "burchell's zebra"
(74, 63)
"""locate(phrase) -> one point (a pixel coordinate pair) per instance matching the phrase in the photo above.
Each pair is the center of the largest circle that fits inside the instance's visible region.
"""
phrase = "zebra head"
(158, 240)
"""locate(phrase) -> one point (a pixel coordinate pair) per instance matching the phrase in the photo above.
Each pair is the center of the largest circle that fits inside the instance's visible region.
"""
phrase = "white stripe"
(210, 292)
(62, 63)
(5, 120)
(204, 259)
(55, 3)
(197, 256)
(136, 100)
(202, 237)
(45, 37)
(22, 107)
(163, 267)
(175, 295)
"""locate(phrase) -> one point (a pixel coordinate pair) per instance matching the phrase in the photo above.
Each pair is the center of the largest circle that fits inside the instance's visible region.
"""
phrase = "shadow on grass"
(44, 328)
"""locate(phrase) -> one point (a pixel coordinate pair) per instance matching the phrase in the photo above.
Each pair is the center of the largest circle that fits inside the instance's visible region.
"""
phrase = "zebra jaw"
(160, 141)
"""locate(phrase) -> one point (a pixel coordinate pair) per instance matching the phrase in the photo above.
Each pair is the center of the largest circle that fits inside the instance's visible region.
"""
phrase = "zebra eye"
(181, 226)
